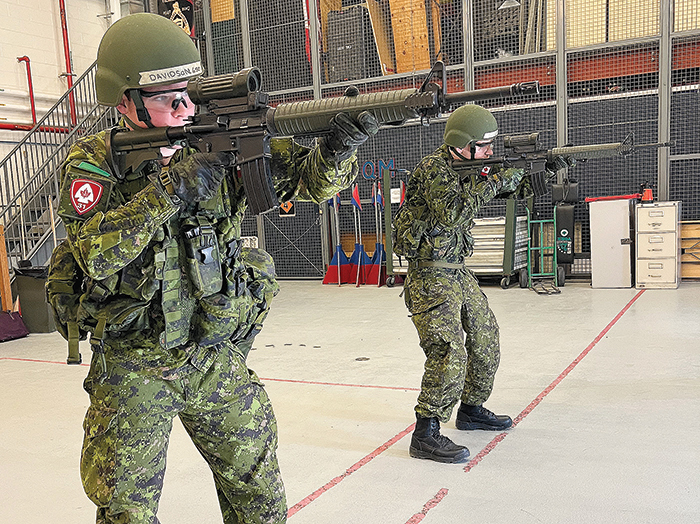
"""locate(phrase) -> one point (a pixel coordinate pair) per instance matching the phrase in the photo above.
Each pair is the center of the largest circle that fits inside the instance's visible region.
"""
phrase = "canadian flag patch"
(84, 194)
(485, 170)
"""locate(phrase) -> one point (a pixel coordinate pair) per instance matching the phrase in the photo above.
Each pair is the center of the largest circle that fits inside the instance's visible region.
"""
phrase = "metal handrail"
(29, 182)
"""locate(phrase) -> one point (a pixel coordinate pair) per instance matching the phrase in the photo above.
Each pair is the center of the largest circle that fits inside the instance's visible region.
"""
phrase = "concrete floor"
(604, 386)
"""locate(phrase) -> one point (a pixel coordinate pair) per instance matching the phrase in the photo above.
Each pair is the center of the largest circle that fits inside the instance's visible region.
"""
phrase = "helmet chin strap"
(456, 152)
(132, 125)
(141, 110)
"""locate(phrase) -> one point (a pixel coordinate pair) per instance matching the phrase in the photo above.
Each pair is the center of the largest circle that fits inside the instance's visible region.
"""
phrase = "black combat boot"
(427, 443)
(478, 417)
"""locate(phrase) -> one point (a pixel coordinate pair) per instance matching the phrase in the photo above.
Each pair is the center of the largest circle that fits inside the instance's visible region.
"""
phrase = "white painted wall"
(32, 28)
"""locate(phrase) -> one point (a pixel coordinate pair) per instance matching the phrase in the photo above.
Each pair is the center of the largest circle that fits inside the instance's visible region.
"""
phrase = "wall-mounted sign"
(181, 12)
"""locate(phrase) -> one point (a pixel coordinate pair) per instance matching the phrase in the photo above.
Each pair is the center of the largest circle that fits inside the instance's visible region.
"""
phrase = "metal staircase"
(30, 173)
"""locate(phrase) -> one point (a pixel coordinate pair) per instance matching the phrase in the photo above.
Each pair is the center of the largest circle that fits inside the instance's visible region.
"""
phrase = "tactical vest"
(83, 306)
(231, 300)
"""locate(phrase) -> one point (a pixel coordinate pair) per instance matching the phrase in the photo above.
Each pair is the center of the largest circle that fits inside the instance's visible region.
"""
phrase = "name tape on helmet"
(170, 74)
(490, 135)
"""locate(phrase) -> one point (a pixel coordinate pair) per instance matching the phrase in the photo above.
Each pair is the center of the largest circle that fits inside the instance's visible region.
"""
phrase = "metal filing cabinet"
(658, 245)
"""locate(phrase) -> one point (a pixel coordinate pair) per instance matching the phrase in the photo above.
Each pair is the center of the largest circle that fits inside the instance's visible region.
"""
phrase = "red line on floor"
(524, 413)
(485, 451)
(470, 465)
(498, 438)
(39, 361)
(292, 381)
(352, 469)
(428, 506)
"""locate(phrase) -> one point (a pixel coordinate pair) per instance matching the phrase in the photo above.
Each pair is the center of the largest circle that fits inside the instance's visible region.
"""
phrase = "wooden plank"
(690, 270)
(381, 28)
(436, 28)
(691, 248)
(629, 19)
(409, 25)
(690, 229)
(5, 290)
(325, 6)
(685, 15)
(585, 22)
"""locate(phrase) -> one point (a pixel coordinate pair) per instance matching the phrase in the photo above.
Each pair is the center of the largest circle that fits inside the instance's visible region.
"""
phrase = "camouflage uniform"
(432, 230)
(173, 344)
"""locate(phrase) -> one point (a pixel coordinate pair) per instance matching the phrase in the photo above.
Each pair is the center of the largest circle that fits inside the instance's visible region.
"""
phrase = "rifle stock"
(234, 116)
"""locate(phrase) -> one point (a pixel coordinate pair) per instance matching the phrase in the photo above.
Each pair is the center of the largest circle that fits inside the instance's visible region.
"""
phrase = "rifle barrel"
(204, 89)
(519, 89)
(603, 150)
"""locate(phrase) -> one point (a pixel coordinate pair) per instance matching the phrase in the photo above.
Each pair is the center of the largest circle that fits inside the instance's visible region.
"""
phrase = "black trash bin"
(29, 287)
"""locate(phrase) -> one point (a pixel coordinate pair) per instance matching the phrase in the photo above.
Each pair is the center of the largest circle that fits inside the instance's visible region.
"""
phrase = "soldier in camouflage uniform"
(432, 230)
(173, 299)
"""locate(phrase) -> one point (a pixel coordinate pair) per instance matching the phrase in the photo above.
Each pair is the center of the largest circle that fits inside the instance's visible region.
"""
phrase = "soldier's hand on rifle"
(347, 135)
(558, 162)
(198, 177)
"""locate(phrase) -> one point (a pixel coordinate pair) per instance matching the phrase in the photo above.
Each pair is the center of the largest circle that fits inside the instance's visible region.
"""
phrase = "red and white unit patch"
(485, 170)
(84, 195)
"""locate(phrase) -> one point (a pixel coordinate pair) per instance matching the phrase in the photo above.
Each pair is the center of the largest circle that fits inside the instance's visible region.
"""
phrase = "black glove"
(198, 177)
(558, 162)
(347, 135)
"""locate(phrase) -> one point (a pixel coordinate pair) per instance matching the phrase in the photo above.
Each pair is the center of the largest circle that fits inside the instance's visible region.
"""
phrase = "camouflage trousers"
(445, 305)
(223, 408)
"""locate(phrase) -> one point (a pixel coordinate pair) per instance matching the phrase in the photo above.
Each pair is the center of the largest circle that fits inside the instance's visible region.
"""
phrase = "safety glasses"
(164, 101)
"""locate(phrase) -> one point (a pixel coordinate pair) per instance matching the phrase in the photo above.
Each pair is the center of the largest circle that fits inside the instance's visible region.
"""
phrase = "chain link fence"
(606, 70)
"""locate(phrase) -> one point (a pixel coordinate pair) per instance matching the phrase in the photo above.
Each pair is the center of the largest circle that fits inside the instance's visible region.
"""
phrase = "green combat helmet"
(143, 50)
(469, 124)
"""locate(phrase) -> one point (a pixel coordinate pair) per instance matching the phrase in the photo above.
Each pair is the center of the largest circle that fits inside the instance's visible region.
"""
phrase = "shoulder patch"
(86, 189)
(85, 194)
(485, 170)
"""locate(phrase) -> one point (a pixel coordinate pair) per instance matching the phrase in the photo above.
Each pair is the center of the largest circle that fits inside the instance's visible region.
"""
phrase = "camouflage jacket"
(128, 238)
(436, 218)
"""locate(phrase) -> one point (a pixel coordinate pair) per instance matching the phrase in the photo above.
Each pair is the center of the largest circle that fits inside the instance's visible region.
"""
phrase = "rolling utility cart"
(541, 253)
(500, 246)
(550, 246)
(396, 268)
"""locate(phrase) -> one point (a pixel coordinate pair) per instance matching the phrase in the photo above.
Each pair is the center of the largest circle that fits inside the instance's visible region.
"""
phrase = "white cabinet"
(658, 245)
(611, 243)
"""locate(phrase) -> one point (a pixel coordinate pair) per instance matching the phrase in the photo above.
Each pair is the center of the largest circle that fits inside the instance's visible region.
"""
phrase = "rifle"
(234, 116)
(524, 152)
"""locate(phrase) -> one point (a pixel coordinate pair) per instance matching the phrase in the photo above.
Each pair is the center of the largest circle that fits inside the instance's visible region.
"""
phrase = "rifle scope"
(201, 90)
(527, 142)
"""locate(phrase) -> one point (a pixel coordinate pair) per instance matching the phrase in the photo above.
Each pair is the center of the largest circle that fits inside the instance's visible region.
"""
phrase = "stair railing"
(29, 174)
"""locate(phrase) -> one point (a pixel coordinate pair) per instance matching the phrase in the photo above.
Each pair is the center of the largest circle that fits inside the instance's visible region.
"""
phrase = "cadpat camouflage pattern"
(176, 302)
(432, 229)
